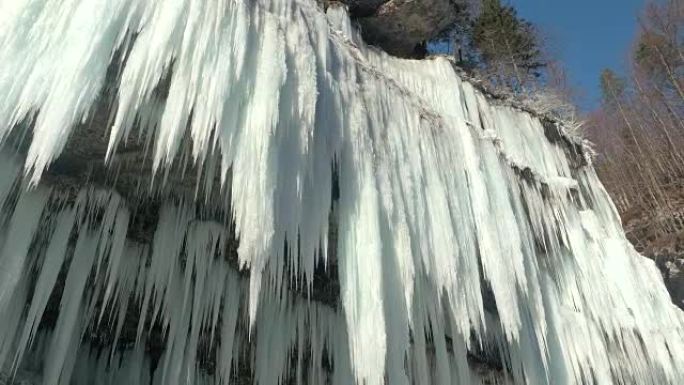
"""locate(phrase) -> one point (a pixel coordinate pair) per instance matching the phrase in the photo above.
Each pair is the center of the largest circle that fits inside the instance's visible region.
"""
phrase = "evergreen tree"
(508, 45)
(456, 39)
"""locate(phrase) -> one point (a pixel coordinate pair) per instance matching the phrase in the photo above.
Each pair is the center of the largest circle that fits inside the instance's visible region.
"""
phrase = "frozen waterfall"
(241, 191)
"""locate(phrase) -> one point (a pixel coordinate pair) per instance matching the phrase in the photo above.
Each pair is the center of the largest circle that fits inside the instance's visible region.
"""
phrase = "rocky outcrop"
(359, 8)
(401, 27)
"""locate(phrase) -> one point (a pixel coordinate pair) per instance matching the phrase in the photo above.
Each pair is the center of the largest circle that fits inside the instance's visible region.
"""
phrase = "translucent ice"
(380, 220)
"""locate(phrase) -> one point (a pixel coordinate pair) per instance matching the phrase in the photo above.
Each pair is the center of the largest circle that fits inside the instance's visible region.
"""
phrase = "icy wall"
(352, 218)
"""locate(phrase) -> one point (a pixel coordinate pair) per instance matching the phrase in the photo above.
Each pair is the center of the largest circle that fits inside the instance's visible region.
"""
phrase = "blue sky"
(586, 36)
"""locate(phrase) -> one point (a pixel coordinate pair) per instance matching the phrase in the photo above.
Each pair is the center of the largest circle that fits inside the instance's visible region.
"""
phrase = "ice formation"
(471, 241)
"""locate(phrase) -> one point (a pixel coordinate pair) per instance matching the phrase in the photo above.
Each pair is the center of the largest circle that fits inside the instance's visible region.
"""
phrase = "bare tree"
(639, 129)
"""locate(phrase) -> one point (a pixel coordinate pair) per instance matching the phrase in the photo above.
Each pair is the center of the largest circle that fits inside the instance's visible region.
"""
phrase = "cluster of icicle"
(465, 237)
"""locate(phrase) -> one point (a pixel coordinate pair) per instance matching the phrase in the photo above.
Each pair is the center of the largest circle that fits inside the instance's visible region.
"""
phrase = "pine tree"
(508, 45)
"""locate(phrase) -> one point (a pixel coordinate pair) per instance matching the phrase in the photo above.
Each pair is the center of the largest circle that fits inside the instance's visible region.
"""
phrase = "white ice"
(464, 234)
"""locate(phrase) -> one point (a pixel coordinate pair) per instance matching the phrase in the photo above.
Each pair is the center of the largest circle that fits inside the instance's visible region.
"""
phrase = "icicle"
(231, 302)
(22, 229)
(55, 255)
(457, 233)
(67, 335)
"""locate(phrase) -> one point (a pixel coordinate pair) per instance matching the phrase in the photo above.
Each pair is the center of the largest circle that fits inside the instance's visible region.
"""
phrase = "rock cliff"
(400, 27)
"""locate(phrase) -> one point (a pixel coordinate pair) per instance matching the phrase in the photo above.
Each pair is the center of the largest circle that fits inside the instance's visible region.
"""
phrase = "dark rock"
(674, 280)
(401, 27)
(363, 8)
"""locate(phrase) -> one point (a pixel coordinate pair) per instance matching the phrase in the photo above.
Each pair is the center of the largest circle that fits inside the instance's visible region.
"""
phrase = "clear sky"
(586, 36)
